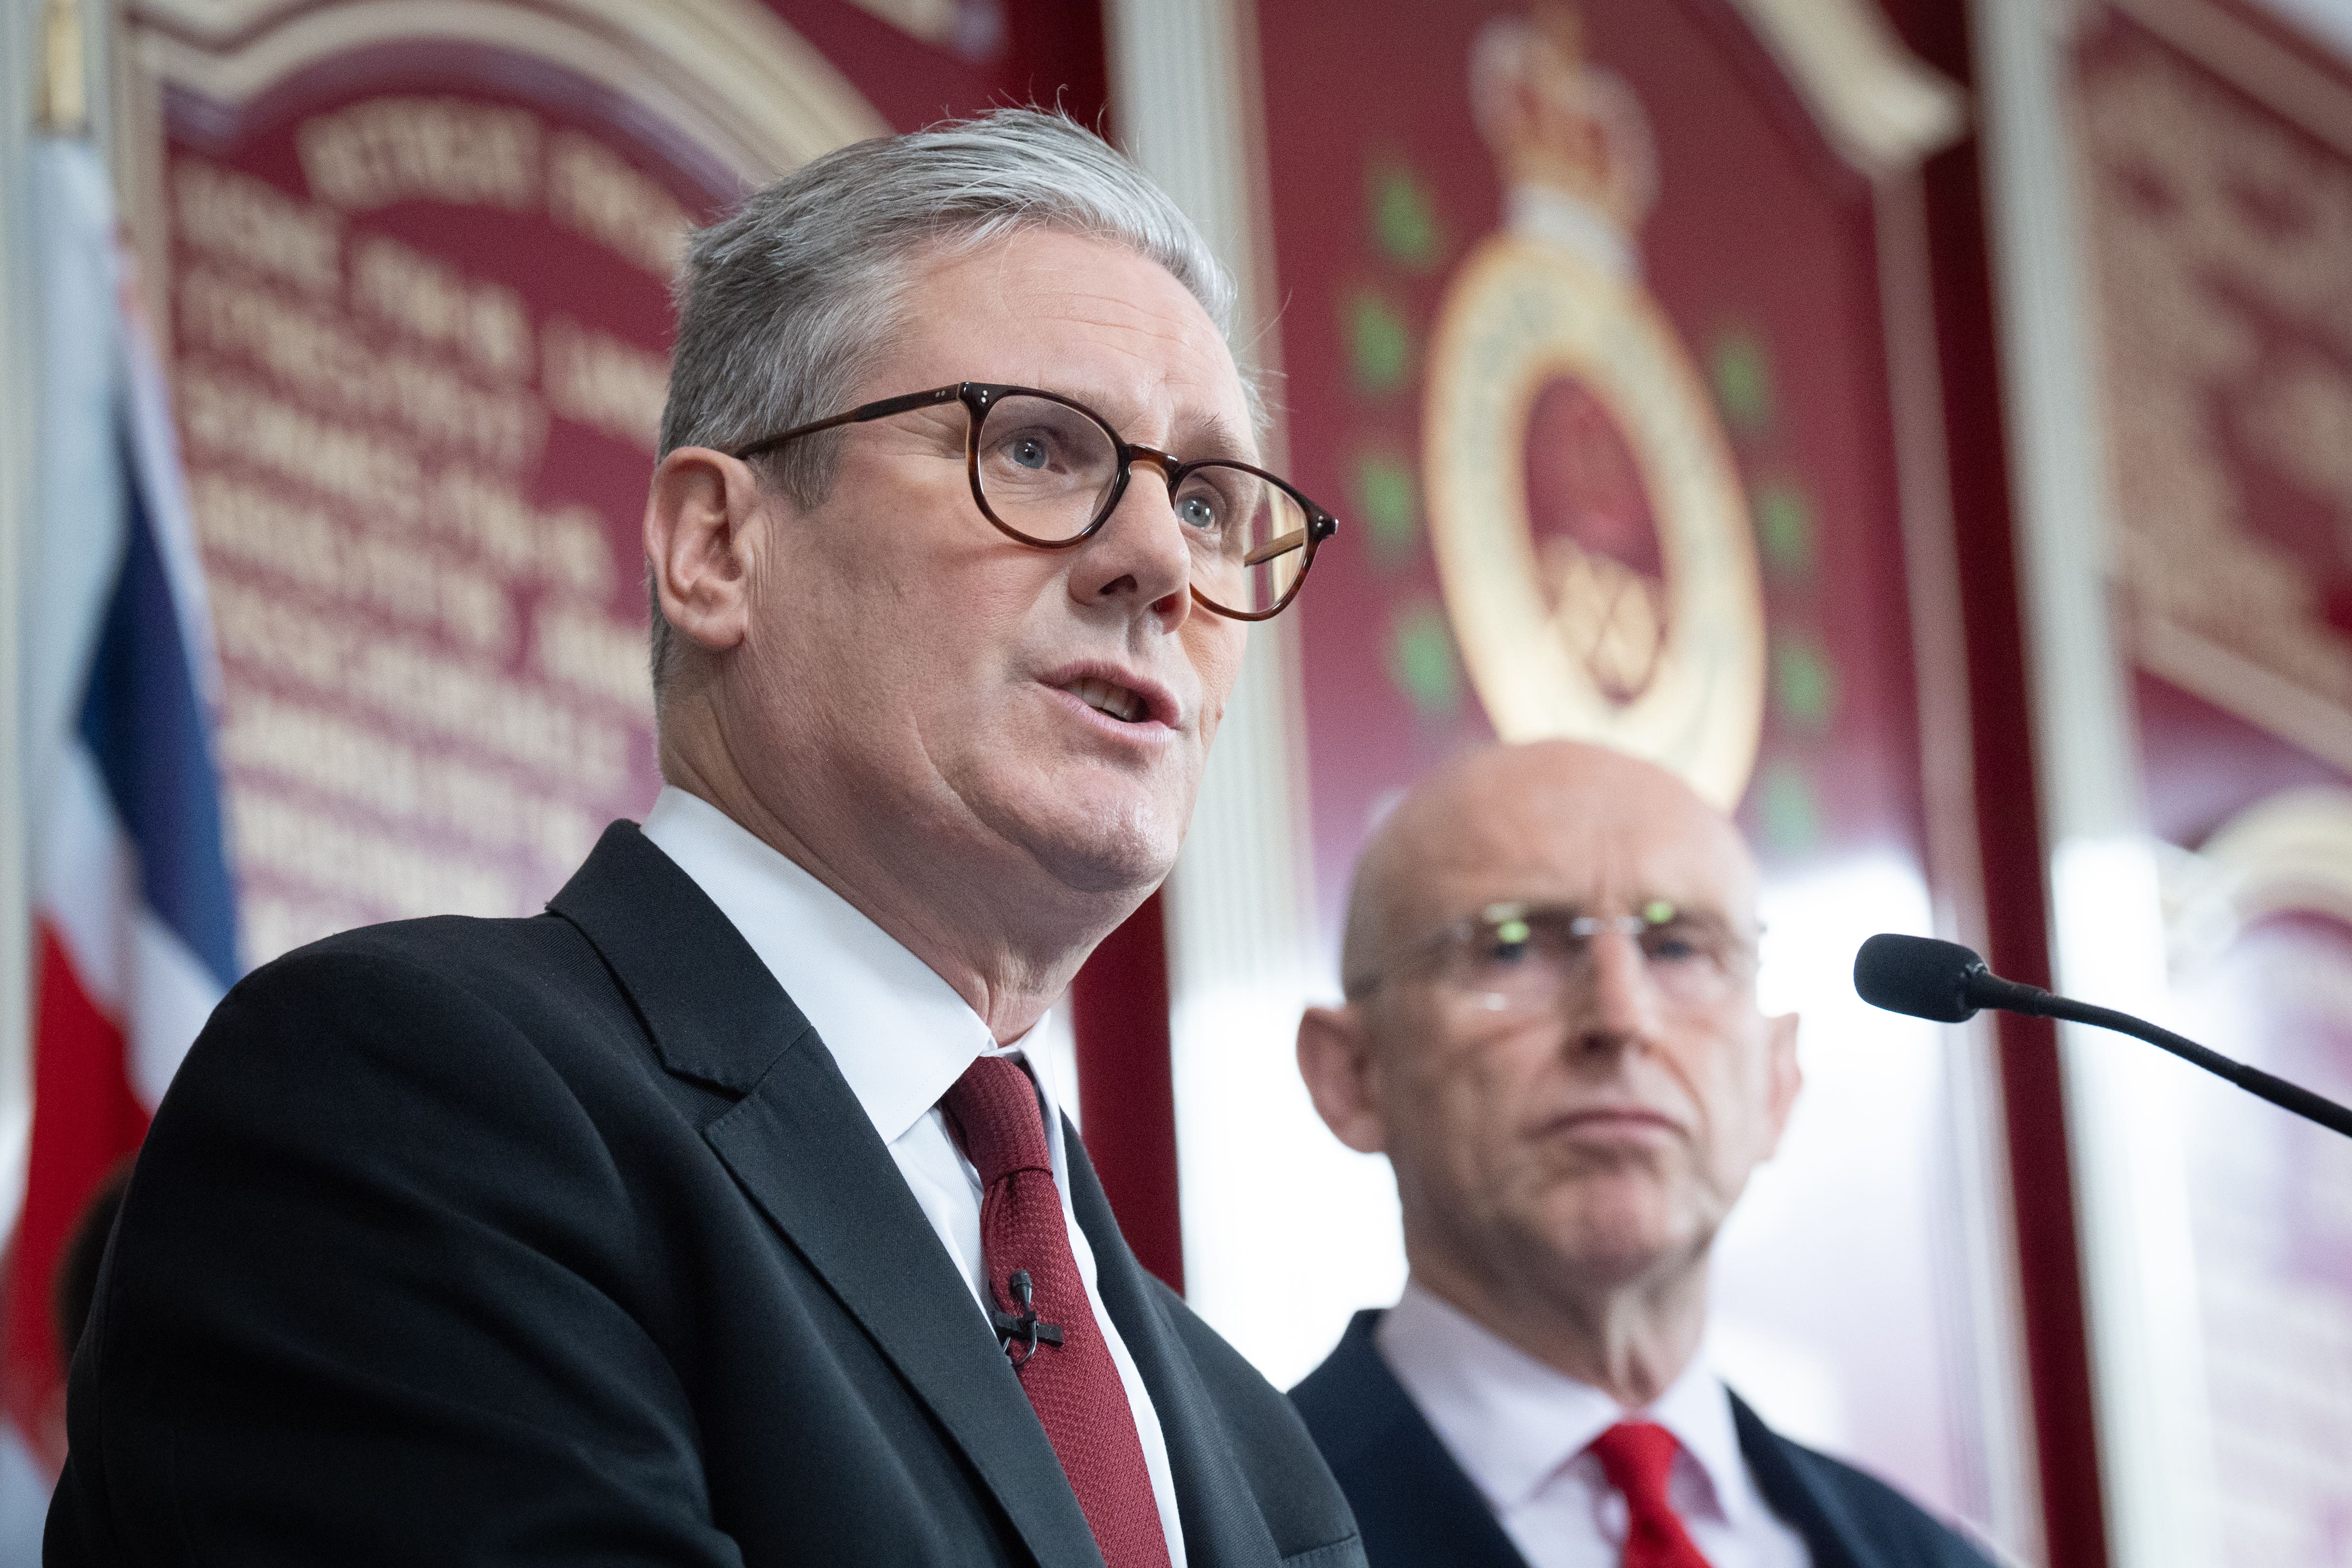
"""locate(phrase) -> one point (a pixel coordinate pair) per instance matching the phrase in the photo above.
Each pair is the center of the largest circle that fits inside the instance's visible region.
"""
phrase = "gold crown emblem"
(1558, 125)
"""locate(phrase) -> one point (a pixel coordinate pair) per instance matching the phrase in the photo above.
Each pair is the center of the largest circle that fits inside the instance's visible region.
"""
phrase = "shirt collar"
(1696, 1408)
(899, 1033)
(1514, 1421)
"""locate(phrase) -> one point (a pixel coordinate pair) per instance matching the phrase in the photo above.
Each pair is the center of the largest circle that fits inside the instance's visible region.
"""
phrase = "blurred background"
(1926, 423)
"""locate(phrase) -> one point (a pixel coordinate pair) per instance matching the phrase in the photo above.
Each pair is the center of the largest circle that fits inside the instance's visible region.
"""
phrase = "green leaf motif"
(1380, 344)
(1787, 808)
(1784, 527)
(1423, 661)
(1388, 498)
(1804, 681)
(1741, 370)
(1405, 218)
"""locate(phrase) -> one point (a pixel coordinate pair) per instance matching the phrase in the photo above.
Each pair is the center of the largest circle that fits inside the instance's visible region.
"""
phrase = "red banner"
(2217, 176)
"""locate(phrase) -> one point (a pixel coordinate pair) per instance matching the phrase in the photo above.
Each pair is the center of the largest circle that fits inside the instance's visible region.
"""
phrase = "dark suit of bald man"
(1417, 1508)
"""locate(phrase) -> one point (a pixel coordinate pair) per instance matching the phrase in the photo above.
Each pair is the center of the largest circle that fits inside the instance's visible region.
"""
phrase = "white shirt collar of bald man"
(1520, 1431)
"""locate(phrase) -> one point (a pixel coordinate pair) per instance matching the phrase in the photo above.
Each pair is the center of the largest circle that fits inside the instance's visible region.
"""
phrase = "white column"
(1995, 1437)
(2107, 932)
(1284, 1231)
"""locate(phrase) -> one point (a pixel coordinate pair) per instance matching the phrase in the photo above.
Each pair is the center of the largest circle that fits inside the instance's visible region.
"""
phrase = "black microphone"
(1947, 983)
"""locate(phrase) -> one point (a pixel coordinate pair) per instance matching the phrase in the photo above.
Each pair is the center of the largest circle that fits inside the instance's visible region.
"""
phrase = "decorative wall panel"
(1596, 327)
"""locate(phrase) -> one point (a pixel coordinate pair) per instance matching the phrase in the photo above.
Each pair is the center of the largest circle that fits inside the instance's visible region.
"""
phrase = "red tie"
(1638, 1457)
(1041, 1310)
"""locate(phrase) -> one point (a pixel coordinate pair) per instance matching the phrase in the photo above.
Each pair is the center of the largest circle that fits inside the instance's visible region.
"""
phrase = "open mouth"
(1104, 697)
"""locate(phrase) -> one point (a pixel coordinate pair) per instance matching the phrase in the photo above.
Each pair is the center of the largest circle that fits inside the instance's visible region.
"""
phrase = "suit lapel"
(1411, 1498)
(1223, 1528)
(1828, 1530)
(712, 1009)
(802, 1146)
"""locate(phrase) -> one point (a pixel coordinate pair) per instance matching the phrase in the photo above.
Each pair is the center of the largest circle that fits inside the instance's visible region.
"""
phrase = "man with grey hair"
(719, 1216)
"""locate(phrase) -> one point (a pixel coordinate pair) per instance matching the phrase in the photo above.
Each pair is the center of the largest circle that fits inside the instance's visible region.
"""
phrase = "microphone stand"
(2010, 996)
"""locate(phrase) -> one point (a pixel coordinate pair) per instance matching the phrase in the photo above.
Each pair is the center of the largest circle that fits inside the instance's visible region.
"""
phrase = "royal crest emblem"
(1588, 518)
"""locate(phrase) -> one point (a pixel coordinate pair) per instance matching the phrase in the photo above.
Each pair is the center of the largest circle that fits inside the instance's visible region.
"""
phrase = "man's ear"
(1782, 1076)
(1334, 1058)
(703, 515)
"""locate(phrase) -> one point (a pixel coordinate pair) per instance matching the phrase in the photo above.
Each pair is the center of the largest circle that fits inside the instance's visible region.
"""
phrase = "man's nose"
(1617, 1005)
(1139, 552)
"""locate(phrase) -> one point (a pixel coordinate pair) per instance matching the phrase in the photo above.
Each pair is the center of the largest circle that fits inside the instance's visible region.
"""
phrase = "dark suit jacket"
(562, 1240)
(1415, 1505)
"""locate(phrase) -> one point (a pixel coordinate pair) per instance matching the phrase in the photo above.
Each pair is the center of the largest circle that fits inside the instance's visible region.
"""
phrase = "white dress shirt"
(1521, 1430)
(901, 1036)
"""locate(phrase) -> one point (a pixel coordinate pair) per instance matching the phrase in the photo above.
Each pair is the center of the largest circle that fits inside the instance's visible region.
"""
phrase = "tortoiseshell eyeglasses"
(1049, 471)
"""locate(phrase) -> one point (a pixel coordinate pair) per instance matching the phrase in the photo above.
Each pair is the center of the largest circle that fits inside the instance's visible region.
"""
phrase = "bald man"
(1550, 1029)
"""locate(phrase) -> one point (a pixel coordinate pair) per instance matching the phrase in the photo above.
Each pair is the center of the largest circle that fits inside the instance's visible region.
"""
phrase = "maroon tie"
(1638, 1457)
(1040, 1311)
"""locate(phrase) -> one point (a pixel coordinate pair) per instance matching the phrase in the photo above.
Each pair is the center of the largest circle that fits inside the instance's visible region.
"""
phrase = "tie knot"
(993, 1110)
(1638, 1456)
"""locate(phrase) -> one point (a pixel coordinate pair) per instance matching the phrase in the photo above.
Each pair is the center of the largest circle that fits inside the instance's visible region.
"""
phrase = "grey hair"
(782, 303)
